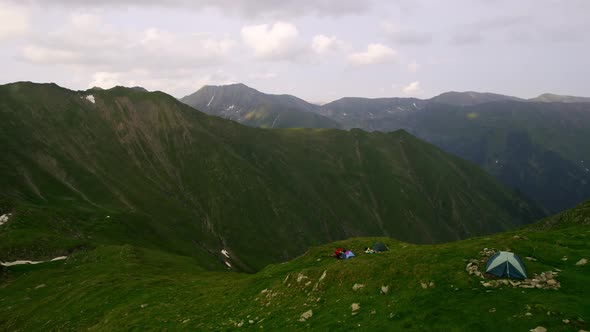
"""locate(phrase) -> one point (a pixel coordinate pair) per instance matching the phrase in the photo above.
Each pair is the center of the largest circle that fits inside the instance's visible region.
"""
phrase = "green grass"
(115, 288)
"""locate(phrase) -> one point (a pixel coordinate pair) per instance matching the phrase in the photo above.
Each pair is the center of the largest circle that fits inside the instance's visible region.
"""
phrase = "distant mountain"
(362, 112)
(553, 98)
(82, 169)
(540, 149)
(470, 98)
(549, 166)
(251, 107)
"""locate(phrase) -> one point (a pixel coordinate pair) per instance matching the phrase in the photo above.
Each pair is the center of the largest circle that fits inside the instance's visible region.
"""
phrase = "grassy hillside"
(410, 287)
(122, 166)
(540, 149)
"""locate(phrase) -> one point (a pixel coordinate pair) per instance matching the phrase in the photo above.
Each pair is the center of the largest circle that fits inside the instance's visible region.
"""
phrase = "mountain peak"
(241, 103)
(555, 98)
(470, 98)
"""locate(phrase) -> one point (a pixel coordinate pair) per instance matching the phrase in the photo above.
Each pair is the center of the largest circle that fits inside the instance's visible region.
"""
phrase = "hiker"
(339, 253)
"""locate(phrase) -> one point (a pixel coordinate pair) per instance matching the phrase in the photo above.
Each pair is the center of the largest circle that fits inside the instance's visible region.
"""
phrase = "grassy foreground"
(131, 288)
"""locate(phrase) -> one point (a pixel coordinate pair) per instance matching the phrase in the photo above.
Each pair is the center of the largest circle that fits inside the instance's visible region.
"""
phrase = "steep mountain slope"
(248, 106)
(470, 98)
(540, 149)
(122, 166)
(410, 288)
(553, 98)
(537, 149)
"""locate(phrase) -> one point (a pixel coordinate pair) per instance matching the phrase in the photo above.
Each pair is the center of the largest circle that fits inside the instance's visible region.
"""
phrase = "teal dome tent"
(505, 264)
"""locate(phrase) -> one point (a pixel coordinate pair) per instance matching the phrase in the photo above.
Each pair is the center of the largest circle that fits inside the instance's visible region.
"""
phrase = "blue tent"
(505, 264)
(348, 254)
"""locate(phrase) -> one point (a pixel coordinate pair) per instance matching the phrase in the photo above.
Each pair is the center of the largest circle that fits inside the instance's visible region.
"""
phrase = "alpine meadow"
(304, 165)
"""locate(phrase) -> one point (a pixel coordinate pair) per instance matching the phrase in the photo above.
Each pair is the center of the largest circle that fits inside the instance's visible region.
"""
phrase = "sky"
(319, 50)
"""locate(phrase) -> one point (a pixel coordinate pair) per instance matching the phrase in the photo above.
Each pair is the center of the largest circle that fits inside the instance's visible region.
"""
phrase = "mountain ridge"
(178, 180)
(555, 153)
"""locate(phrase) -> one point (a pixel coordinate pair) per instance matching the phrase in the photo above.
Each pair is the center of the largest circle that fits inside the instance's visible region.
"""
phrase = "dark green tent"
(378, 246)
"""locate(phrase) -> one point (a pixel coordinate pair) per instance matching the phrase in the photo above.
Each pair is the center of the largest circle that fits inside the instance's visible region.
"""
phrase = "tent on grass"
(378, 247)
(505, 264)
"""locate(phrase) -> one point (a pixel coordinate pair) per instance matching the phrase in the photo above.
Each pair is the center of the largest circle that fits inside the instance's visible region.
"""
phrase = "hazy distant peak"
(469, 98)
(554, 98)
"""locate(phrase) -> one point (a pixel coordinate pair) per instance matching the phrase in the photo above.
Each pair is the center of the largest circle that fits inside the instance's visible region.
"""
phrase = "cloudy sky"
(319, 50)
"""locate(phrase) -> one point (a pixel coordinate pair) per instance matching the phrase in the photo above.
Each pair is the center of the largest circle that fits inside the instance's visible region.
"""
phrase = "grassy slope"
(143, 169)
(541, 149)
(128, 288)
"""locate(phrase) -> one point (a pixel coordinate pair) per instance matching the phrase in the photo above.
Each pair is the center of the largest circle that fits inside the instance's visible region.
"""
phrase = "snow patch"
(23, 262)
(60, 258)
(4, 218)
(275, 121)
(91, 99)
(415, 105)
(225, 253)
(228, 264)
(19, 263)
(231, 107)
(209, 103)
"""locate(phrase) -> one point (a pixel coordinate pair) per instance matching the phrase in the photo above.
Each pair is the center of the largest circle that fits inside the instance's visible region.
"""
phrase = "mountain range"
(81, 168)
(124, 209)
(539, 146)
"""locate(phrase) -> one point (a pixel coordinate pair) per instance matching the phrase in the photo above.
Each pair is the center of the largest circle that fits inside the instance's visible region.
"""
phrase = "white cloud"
(412, 89)
(40, 54)
(14, 21)
(322, 44)
(88, 41)
(375, 54)
(178, 84)
(276, 42)
(258, 8)
(106, 80)
(98, 54)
